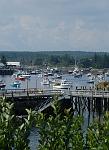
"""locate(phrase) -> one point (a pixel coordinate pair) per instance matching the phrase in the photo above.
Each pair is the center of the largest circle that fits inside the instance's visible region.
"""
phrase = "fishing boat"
(89, 74)
(76, 72)
(58, 76)
(22, 78)
(91, 80)
(26, 76)
(45, 82)
(64, 84)
(16, 84)
(2, 84)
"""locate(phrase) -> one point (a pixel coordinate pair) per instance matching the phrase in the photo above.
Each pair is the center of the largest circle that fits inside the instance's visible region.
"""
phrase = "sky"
(54, 25)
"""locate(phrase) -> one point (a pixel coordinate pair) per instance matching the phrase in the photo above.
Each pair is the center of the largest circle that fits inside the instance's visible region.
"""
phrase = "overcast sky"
(54, 25)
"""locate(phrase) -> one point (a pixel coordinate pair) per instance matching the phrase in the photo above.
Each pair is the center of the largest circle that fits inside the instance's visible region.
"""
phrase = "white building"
(13, 64)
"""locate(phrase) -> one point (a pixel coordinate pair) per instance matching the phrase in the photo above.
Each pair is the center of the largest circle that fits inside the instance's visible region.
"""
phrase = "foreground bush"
(57, 132)
(13, 134)
(98, 134)
(60, 132)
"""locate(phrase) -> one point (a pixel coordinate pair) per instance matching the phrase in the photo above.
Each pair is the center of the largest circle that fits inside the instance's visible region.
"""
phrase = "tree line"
(85, 60)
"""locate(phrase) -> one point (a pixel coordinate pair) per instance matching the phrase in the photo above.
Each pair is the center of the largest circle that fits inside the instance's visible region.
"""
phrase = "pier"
(18, 93)
(80, 100)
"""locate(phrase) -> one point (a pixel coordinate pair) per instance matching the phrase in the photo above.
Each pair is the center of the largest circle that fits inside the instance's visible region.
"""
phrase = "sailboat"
(76, 72)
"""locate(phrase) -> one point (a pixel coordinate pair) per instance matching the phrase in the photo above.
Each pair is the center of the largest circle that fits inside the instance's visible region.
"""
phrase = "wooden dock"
(80, 100)
(35, 92)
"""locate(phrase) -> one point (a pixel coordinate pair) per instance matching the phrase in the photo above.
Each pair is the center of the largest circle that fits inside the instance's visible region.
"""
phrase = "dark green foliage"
(86, 63)
(59, 131)
(59, 58)
(98, 134)
(3, 60)
(13, 135)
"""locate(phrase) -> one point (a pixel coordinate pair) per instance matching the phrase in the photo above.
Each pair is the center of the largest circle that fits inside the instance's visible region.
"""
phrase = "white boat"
(57, 76)
(27, 76)
(64, 84)
(76, 72)
(89, 75)
(45, 82)
(100, 77)
(107, 74)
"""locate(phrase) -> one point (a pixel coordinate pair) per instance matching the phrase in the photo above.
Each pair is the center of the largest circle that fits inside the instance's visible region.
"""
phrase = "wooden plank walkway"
(34, 92)
(90, 93)
(31, 92)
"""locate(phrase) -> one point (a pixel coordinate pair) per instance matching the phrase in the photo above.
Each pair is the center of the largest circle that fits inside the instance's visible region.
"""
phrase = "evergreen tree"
(3, 60)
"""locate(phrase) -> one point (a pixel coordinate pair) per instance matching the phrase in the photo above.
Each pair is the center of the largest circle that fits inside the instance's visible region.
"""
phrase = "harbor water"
(35, 82)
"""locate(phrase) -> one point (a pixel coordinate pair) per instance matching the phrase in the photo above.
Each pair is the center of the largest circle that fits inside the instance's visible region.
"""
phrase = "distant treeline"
(59, 58)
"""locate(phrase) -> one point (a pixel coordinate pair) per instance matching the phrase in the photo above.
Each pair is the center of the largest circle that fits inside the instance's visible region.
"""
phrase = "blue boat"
(16, 84)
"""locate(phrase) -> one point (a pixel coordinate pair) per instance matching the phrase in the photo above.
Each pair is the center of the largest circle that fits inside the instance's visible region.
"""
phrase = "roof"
(13, 63)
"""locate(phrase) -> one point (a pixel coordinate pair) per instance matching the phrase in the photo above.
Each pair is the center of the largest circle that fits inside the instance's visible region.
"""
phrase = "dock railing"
(89, 93)
(29, 92)
(36, 92)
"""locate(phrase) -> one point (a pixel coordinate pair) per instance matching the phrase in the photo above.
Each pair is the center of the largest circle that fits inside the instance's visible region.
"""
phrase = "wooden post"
(12, 94)
(88, 111)
(27, 87)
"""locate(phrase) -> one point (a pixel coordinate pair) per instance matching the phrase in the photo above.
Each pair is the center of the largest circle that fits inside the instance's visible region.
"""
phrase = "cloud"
(54, 25)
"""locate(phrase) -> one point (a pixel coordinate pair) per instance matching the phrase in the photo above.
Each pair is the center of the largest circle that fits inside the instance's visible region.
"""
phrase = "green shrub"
(59, 131)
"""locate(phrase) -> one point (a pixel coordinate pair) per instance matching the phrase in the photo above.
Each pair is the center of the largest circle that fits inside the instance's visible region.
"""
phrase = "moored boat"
(2, 84)
(26, 76)
(45, 82)
(64, 84)
(16, 84)
(20, 78)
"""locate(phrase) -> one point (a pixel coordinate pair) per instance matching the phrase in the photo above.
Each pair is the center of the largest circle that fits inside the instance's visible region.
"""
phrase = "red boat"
(20, 78)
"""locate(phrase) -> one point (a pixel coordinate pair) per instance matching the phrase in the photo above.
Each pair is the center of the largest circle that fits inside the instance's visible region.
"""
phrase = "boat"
(16, 84)
(77, 74)
(50, 74)
(89, 74)
(26, 76)
(22, 78)
(58, 76)
(70, 71)
(35, 72)
(64, 84)
(45, 82)
(2, 84)
(91, 80)
(107, 74)
(100, 77)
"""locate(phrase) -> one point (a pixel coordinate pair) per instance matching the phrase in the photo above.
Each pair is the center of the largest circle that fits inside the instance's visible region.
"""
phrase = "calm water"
(33, 139)
(35, 82)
